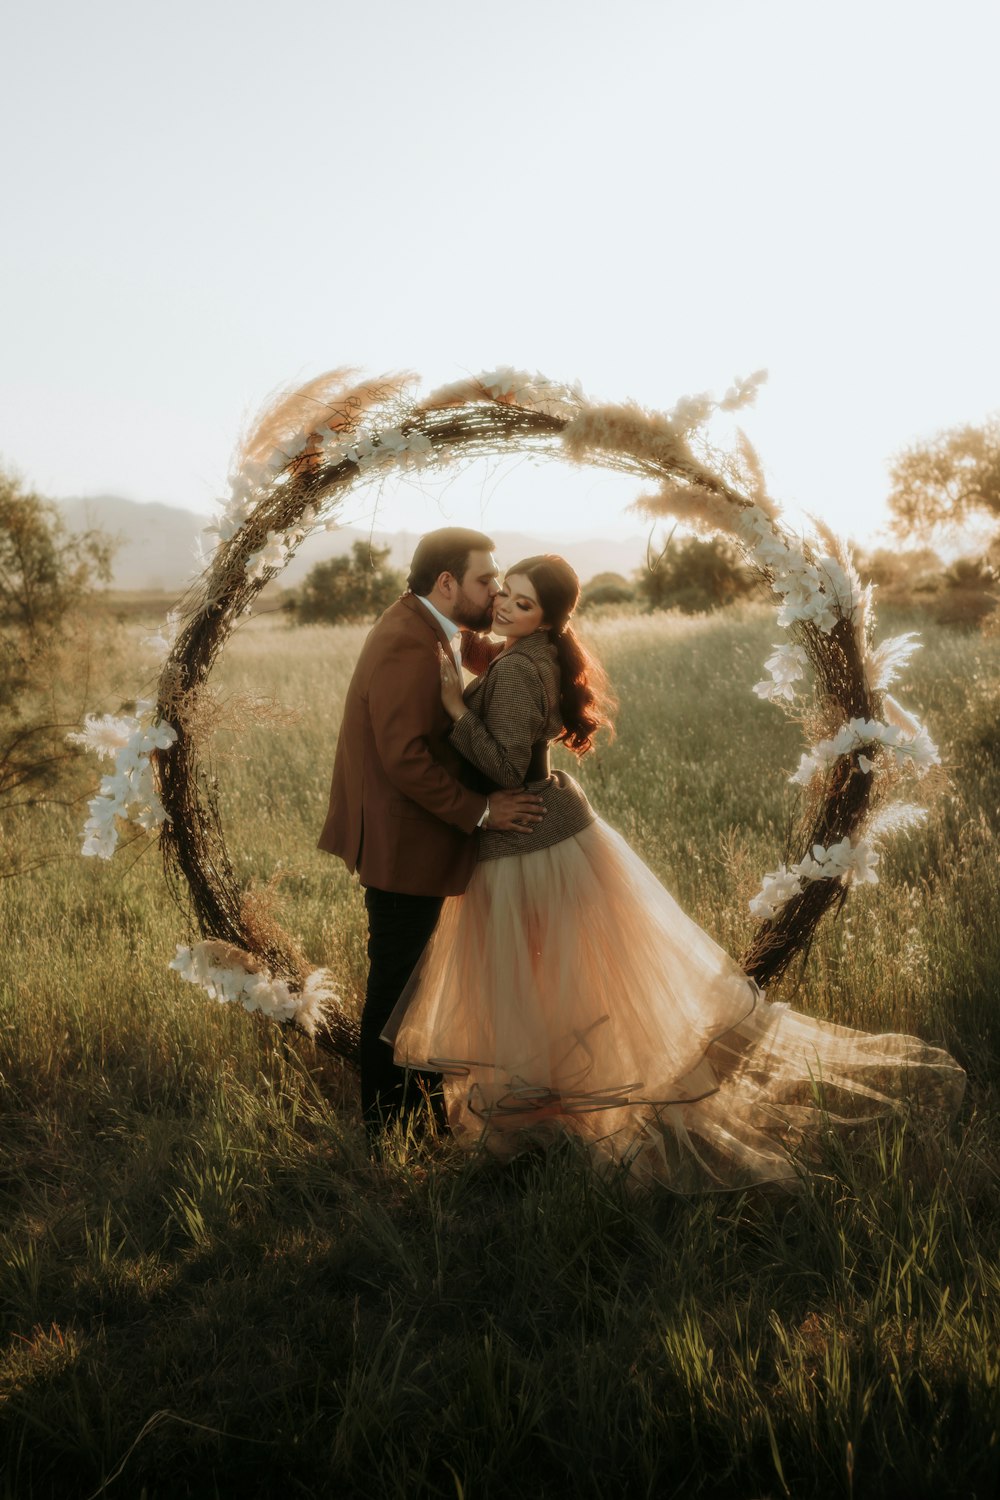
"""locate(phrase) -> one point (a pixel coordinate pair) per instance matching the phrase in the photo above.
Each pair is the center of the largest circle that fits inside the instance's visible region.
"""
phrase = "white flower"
(273, 554)
(505, 381)
(854, 735)
(920, 750)
(771, 552)
(841, 861)
(271, 996)
(360, 452)
(105, 735)
(419, 450)
(392, 445)
(234, 513)
(753, 525)
(786, 665)
(777, 888)
(810, 868)
(863, 864)
(226, 975)
(844, 861)
(129, 791)
(838, 586)
(836, 860)
(99, 843)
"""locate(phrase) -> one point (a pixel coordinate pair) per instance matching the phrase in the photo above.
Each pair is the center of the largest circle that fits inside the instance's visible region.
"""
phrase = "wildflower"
(274, 554)
(777, 888)
(105, 735)
(786, 665)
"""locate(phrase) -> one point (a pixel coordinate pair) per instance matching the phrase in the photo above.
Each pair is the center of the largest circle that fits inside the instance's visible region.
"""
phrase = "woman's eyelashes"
(524, 605)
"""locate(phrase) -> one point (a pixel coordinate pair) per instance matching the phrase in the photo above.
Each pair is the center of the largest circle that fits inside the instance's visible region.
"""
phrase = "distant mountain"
(158, 545)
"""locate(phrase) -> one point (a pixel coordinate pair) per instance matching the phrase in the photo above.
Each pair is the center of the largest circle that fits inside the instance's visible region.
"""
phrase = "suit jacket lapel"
(421, 611)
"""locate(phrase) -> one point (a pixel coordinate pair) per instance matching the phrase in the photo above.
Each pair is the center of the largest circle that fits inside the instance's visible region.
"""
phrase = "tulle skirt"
(567, 992)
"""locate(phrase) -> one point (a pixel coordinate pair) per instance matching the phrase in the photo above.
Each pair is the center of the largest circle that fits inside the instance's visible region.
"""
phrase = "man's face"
(472, 604)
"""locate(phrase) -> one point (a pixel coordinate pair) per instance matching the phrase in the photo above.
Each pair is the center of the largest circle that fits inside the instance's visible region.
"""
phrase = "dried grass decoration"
(292, 475)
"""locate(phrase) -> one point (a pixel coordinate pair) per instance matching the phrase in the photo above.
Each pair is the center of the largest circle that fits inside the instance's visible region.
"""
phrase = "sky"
(207, 201)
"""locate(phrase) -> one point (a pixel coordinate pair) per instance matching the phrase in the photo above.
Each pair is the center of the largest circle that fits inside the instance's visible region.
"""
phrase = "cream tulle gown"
(567, 992)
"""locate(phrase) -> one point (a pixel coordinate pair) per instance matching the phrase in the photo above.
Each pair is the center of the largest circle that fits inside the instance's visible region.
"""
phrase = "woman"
(566, 991)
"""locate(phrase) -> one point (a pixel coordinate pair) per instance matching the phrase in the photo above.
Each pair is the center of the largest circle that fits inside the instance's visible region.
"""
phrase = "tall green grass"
(207, 1288)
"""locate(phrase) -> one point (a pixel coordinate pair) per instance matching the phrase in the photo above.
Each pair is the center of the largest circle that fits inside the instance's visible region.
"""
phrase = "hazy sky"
(204, 201)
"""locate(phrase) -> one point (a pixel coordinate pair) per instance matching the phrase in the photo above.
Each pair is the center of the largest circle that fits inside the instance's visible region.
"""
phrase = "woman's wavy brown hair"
(586, 702)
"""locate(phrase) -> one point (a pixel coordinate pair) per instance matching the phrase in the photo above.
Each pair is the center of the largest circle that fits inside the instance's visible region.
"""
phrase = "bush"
(903, 572)
(606, 588)
(349, 590)
(696, 576)
(46, 573)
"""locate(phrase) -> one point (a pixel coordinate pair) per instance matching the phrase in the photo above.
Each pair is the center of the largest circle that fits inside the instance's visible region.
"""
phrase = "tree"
(696, 576)
(349, 590)
(606, 588)
(951, 479)
(46, 574)
(902, 572)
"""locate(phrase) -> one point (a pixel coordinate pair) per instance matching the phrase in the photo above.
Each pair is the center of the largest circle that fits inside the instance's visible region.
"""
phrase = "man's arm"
(404, 702)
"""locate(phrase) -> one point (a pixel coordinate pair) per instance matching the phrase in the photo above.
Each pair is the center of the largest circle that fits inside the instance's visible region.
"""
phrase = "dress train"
(567, 992)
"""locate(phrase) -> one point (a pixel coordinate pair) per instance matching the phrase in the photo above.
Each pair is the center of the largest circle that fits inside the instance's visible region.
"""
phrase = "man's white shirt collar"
(449, 627)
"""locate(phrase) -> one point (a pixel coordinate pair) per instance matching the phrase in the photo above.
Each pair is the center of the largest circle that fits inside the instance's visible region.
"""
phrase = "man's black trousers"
(399, 928)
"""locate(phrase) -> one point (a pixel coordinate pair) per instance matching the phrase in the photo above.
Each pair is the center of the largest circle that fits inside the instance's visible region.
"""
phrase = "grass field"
(207, 1288)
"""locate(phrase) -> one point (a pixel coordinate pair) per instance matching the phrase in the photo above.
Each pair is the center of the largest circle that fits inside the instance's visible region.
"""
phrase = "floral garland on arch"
(290, 478)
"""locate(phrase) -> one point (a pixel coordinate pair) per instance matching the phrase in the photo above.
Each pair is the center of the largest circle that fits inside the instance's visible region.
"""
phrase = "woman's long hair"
(586, 702)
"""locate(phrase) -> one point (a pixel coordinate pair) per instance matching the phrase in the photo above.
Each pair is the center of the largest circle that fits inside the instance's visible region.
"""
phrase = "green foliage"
(900, 573)
(349, 590)
(696, 576)
(948, 480)
(46, 574)
(963, 594)
(207, 1288)
(606, 589)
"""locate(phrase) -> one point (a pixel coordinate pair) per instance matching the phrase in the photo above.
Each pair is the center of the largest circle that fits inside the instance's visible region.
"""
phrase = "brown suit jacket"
(399, 813)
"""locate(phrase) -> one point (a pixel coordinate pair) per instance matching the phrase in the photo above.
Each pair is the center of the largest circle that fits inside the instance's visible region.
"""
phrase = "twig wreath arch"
(291, 476)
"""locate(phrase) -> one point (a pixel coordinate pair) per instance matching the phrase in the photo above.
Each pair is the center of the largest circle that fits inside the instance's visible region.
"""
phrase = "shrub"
(349, 590)
(607, 589)
(696, 576)
(46, 573)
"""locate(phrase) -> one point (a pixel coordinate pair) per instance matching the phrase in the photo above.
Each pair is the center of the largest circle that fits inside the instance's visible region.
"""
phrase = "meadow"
(207, 1288)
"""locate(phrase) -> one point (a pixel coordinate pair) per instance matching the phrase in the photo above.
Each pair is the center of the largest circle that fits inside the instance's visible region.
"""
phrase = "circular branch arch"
(321, 452)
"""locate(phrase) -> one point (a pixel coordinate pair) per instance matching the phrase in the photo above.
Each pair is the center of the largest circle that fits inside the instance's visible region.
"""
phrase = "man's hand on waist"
(513, 812)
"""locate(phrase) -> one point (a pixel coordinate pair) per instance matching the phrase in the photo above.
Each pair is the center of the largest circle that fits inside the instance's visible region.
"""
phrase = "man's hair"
(444, 551)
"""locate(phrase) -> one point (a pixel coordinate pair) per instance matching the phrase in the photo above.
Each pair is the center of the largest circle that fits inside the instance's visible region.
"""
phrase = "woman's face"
(516, 610)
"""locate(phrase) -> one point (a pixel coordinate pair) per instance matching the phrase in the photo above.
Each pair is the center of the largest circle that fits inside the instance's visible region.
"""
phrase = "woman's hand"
(451, 684)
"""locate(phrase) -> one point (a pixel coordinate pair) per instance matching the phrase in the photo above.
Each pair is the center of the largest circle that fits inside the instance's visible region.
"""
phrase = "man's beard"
(464, 612)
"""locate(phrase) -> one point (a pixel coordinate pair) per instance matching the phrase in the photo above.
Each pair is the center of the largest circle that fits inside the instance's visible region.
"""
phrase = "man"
(400, 814)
